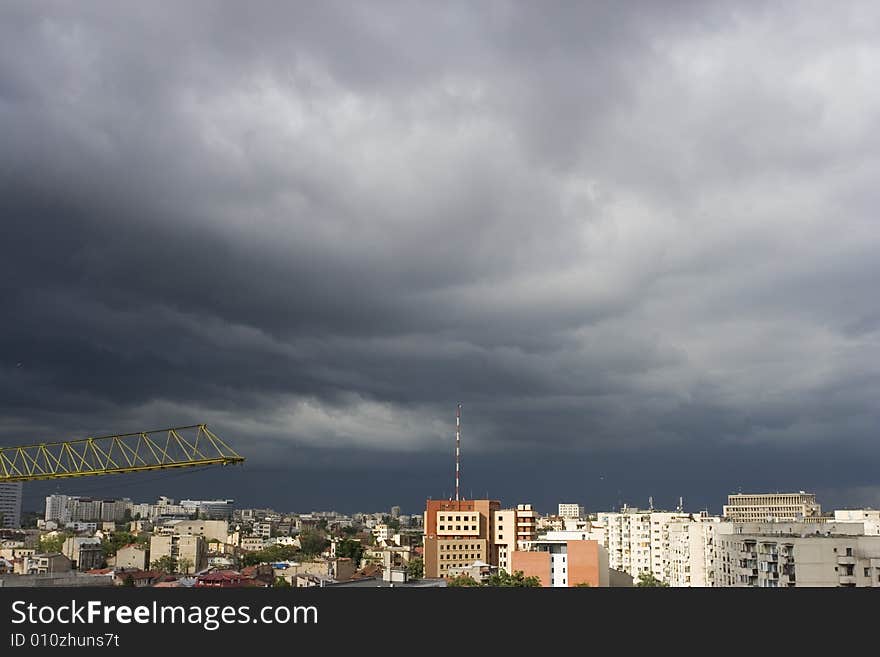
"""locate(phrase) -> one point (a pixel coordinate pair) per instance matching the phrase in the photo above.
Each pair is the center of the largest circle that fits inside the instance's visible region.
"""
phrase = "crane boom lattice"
(177, 447)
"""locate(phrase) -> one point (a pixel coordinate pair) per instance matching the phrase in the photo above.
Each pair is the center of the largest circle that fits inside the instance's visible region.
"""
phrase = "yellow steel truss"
(178, 447)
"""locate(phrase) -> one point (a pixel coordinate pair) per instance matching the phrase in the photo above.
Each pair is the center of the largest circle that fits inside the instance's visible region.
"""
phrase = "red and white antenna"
(457, 450)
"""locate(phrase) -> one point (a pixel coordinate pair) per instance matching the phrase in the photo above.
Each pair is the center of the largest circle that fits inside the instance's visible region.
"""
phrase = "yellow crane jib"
(177, 447)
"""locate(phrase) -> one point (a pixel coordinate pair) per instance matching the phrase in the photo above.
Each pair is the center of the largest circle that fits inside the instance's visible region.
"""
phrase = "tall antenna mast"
(457, 451)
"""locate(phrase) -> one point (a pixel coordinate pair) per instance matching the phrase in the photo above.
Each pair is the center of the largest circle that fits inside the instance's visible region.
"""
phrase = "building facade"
(564, 563)
(571, 511)
(773, 507)
(457, 533)
(780, 555)
(870, 518)
(689, 557)
(10, 505)
(189, 552)
(637, 539)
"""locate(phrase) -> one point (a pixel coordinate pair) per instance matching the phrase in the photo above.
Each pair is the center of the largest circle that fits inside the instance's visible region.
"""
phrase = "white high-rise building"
(571, 511)
(636, 539)
(689, 558)
(10, 505)
(57, 509)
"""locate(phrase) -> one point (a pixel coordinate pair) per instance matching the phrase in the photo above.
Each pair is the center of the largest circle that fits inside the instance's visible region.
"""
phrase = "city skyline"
(636, 242)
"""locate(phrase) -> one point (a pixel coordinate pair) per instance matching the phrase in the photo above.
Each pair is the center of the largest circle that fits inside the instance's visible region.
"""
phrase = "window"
(867, 572)
(849, 552)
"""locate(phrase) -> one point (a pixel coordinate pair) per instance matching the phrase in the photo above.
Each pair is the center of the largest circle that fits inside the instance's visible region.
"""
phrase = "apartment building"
(637, 539)
(774, 555)
(207, 529)
(773, 507)
(10, 505)
(84, 552)
(571, 511)
(870, 518)
(384, 533)
(689, 556)
(133, 556)
(190, 552)
(209, 509)
(45, 563)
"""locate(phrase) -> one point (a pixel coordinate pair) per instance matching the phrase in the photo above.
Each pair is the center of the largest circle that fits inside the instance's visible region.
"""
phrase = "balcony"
(847, 579)
(846, 561)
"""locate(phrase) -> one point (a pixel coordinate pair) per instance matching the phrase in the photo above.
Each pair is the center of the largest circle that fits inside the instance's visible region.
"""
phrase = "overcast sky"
(638, 241)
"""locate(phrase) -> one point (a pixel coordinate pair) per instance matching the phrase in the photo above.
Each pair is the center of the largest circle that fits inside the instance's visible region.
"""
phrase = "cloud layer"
(603, 229)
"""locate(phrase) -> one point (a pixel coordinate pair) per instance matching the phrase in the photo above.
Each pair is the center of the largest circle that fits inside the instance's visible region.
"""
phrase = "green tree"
(128, 581)
(166, 564)
(462, 580)
(350, 530)
(416, 568)
(351, 549)
(647, 579)
(281, 583)
(394, 524)
(112, 542)
(503, 578)
(587, 584)
(185, 564)
(313, 542)
(271, 554)
(54, 543)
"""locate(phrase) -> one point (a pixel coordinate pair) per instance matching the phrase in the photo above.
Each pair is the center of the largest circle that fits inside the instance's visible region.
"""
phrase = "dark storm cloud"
(602, 227)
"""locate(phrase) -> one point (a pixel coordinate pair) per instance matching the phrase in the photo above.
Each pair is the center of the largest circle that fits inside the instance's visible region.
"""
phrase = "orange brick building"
(564, 563)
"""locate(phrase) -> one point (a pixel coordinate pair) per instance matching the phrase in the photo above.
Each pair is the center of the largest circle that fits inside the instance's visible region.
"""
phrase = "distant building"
(41, 564)
(189, 552)
(252, 543)
(84, 552)
(870, 518)
(210, 509)
(133, 556)
(10, 505)
(571, 511)
(383, 533)
(263, 529)
(395, 512)
(56, 509)
(773, 507)
(208, 529)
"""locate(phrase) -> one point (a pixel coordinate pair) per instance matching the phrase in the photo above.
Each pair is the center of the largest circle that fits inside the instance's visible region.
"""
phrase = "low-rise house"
(41, 564)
